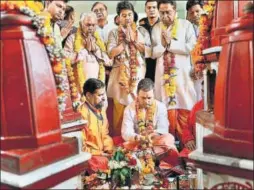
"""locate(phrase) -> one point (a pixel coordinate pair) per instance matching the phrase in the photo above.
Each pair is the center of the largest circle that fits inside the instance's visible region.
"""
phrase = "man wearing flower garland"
(145, 124)
(125, 46)
(95, 136)
(87, 51)
(194, 9)
(174, 39)
(57, 10)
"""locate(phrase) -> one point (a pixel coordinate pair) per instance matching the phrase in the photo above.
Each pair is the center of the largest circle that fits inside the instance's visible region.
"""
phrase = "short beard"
(99, 105)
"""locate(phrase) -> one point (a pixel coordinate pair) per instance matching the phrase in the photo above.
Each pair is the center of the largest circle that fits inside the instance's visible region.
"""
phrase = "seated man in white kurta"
(87, 51)
(146, 118)
(173, 40)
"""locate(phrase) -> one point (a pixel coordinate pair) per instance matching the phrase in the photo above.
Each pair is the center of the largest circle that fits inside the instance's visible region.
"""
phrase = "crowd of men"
(146, 65)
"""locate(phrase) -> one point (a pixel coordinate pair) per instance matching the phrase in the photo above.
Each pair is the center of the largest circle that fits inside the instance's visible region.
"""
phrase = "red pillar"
(30, 124)
(224, 13)
(29, 113)
(233, 133)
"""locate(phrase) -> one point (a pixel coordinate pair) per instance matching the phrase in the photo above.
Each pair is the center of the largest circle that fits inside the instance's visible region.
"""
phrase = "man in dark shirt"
(147, 24)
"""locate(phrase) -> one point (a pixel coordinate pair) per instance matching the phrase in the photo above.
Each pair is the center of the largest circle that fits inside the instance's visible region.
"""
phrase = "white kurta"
(91, 64)
(185, 91)
(114, 90)
(57, 35)
(130, 124)
(104, 32)
(198, 82)
(148, 43)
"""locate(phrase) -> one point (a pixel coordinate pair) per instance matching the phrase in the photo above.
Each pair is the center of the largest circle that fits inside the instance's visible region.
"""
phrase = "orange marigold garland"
(145, 119)
(75, 96)
(128, 76)
(203, 40)
(42, 21)
(78, 46)
(170, 69)
(77, 74)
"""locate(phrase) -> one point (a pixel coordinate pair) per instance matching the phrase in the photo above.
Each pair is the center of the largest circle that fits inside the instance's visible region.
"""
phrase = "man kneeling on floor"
(147, 117)
(95, 135)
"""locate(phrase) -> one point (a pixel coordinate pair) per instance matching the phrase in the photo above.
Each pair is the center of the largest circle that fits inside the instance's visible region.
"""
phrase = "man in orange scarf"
(95, 135)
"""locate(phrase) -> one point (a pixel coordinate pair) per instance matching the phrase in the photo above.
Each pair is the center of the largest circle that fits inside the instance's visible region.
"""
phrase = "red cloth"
(172, 158)
(118, 141)
(98, 163)
(178, 118)
(184, 153)
(161, 144)
(189, 130)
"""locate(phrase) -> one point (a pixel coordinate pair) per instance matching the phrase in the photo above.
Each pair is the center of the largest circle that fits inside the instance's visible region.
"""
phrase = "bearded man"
(95, 135)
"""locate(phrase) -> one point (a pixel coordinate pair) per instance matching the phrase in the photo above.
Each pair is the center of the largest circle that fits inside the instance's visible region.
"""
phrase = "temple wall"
(81, 7)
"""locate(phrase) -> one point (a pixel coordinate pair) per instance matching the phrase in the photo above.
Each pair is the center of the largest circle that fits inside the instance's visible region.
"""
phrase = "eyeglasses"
(98, 10)
(88, 25)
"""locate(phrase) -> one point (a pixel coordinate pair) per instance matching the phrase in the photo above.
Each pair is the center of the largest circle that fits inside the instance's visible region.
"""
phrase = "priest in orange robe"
(95, 135)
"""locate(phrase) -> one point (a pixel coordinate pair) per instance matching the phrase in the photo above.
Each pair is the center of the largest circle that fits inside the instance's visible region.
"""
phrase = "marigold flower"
(57, 68)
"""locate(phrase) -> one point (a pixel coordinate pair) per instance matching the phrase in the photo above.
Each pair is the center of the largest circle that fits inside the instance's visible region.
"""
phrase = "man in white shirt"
(146, 120)
(103, 28)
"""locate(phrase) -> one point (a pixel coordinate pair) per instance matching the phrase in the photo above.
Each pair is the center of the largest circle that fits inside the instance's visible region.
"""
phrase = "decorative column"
(233, 133)
(33, 152)
(225, 161)
(29, 109)
(224, 13)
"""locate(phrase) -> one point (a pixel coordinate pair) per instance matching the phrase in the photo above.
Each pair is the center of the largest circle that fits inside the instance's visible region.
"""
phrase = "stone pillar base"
(51, 176)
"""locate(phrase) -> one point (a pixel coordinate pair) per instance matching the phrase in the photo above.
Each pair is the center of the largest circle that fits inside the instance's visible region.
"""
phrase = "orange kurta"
(95, 136)
(189, 130)
(177, 119)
